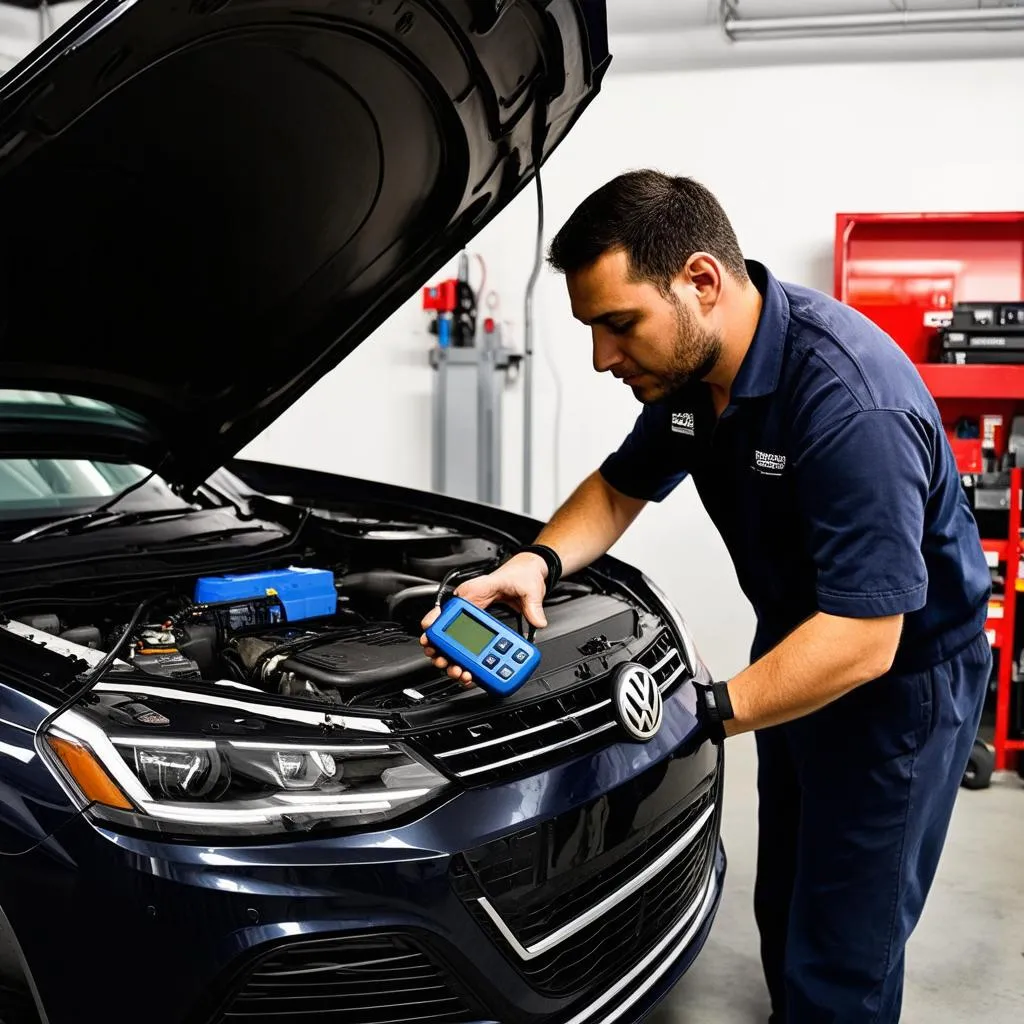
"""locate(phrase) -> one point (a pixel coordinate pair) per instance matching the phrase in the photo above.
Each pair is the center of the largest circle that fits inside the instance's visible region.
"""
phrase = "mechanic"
(820, 457)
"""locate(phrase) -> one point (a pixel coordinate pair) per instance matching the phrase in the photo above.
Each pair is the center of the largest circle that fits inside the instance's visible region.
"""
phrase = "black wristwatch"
(713, 708)
(550, 556)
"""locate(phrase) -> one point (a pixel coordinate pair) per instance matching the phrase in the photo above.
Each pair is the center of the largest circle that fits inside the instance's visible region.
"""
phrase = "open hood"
(205, 206)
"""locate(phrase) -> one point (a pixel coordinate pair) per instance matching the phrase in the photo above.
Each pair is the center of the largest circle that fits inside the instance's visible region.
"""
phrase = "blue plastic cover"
(304, 593)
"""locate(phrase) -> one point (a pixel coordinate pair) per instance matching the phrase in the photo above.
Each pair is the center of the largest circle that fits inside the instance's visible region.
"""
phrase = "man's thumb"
(534, 611)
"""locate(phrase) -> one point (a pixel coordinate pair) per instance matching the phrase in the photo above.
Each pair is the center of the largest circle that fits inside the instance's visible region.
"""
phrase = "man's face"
(653, 342)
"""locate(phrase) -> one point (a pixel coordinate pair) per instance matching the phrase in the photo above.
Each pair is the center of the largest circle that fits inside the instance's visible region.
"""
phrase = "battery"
(303, 593)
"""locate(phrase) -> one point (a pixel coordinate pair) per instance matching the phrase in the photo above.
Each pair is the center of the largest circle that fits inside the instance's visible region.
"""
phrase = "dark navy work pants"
(854, 804)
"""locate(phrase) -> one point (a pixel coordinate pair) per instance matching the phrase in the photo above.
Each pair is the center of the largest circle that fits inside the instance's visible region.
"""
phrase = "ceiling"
(649, 35)
(662, 35)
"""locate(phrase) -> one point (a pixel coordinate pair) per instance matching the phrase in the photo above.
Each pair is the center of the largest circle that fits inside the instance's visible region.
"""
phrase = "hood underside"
(207, 205)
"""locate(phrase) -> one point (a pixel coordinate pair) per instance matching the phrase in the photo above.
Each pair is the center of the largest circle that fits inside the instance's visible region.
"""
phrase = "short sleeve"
(644, 466)
(863, 486)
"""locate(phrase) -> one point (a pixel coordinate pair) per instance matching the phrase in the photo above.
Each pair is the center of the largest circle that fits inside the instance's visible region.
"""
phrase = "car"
(234, 788)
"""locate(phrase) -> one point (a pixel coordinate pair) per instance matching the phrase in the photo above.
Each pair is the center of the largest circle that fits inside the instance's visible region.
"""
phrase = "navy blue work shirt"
(829, 477)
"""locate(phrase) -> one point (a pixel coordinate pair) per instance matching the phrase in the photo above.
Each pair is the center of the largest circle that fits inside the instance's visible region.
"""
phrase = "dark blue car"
(232, 788)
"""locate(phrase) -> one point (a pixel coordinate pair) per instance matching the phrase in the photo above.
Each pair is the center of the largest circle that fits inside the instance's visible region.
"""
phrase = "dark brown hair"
(660, 221)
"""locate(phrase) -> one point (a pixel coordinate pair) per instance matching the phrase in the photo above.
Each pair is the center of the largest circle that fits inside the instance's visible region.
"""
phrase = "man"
(821, 459)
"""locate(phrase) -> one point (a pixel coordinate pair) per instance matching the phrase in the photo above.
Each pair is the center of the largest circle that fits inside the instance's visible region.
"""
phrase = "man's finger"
(477, 591)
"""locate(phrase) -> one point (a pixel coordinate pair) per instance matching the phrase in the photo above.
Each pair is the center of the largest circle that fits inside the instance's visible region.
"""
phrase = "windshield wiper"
(87, 520)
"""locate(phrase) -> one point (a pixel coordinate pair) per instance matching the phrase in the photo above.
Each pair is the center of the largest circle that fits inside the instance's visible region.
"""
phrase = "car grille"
(645, 891)
(365, 979)
(524, 740)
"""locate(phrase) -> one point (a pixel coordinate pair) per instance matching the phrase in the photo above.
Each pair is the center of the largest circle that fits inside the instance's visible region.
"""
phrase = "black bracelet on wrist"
(550, 556)
(714, 708)
(721, 691)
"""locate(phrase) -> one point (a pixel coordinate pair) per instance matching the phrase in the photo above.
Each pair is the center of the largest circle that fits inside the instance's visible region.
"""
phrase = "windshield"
(49, 405)
(41, 486)
(46, 487)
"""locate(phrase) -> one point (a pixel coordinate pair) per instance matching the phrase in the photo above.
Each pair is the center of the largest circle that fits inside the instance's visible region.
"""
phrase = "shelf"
(944, 380)
(994, 547)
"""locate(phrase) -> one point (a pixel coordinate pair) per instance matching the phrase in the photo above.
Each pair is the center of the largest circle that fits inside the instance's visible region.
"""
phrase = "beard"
(692, 356)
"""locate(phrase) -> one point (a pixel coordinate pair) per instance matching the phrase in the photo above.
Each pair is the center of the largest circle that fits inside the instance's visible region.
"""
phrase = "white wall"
(784, 148)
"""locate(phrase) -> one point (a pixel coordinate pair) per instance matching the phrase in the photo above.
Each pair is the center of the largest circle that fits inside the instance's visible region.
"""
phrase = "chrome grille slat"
(523, 741)
(598, 910)
(536, 753)
(666, 877)
(525, 732)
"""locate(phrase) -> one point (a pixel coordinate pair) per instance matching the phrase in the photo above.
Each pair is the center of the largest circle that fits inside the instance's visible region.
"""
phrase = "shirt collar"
(759, 372)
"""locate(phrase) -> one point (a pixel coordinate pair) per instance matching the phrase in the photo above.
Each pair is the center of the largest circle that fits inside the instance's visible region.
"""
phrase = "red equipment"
(905, 271)
(443, 297)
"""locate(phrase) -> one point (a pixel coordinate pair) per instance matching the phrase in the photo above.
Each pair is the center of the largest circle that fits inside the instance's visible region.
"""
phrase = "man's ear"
(703, 275)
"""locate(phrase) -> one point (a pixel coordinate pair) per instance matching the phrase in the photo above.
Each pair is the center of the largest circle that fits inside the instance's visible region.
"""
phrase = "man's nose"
(606, 352)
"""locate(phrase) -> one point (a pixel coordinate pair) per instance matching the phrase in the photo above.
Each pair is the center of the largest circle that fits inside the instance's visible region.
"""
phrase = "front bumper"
(113, 927)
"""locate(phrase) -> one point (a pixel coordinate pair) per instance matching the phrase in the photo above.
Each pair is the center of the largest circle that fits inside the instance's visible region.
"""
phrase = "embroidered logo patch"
(682, 423)
(768, 463)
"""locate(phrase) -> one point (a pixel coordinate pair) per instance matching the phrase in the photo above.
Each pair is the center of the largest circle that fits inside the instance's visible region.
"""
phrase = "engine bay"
(339, 626)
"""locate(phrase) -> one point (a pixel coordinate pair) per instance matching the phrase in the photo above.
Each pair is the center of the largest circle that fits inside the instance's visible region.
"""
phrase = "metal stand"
(468, 390)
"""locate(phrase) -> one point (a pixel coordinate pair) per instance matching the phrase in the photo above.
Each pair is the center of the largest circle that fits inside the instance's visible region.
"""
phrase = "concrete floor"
(965, 961)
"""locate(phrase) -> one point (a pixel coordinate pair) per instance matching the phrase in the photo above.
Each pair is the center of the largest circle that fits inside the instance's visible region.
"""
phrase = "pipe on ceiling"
(707, 48)
(807, 26)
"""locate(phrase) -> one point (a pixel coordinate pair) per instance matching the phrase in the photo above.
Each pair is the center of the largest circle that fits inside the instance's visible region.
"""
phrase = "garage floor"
(976, 910)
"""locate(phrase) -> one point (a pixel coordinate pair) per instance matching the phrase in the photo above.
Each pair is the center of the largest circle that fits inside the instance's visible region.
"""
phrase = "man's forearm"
(589, 522)
(824, 658)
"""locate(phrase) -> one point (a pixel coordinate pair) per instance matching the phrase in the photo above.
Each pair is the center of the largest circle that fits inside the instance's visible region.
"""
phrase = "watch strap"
(723, 703)
(713, 708)
(550, 556)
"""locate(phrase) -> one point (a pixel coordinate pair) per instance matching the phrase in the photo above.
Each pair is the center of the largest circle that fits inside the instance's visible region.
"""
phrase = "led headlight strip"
(94, 771)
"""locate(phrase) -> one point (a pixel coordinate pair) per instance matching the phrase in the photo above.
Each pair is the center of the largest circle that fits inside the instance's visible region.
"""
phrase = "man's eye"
(623, 328)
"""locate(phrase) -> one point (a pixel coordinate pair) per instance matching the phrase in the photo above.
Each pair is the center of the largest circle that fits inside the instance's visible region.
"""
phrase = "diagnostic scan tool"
(498, 657)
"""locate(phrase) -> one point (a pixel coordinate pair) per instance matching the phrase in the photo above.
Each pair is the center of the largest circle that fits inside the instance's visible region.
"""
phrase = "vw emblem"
(637, 701)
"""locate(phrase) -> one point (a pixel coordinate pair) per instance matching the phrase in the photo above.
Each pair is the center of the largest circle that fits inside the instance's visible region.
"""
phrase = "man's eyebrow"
(607, 317)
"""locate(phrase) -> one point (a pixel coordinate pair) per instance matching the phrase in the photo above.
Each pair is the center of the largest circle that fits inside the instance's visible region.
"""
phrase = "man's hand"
(519, 583)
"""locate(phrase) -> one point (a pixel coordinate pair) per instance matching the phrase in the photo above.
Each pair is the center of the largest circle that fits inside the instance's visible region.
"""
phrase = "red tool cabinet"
(904, 270)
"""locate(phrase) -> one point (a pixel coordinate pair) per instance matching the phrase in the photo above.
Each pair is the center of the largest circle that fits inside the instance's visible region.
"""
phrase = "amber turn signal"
(96, 785)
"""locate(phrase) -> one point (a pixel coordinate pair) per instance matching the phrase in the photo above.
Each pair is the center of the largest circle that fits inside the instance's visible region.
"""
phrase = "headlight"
(696, 666)
(224, 786)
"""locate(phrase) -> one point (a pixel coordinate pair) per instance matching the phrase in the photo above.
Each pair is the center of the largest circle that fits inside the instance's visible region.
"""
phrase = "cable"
(96, 674)
(483, 277)
(556, 448)
(445, 589)
(556, 452)
(446, 585)
(528, 349)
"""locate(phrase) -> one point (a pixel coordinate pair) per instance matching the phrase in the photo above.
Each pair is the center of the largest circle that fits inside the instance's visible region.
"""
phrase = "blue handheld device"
(498, 657)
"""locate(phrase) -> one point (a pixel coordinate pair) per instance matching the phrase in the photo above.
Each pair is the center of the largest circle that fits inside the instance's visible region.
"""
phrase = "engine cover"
(349, 657)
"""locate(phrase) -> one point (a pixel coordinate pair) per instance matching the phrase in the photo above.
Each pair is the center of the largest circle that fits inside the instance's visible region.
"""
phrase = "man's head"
(648, 260)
